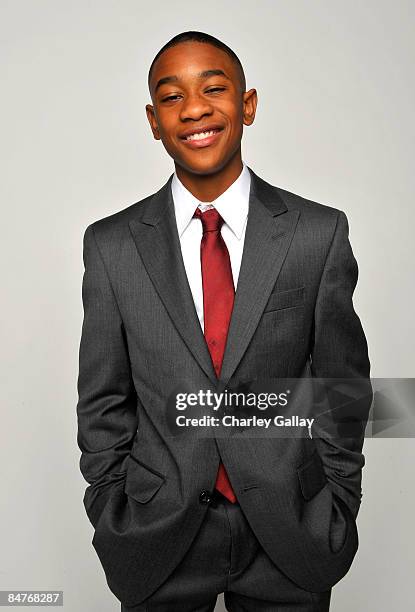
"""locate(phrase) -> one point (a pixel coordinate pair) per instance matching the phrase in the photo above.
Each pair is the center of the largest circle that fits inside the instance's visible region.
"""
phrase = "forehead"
(188, 59)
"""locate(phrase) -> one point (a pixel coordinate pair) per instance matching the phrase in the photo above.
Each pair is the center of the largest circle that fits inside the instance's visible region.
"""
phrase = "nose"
(195, 107)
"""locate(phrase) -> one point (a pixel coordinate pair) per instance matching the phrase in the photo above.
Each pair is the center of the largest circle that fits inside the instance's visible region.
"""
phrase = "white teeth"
(201, 135)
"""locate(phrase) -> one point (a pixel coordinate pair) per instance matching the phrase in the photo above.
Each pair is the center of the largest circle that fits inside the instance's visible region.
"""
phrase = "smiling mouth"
(201, 135)
(201, 140)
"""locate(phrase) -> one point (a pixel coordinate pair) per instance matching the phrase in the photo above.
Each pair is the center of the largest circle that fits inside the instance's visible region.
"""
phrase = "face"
(199, 108)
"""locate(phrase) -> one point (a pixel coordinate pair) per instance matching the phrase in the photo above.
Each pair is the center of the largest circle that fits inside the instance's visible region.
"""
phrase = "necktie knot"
(211, 219)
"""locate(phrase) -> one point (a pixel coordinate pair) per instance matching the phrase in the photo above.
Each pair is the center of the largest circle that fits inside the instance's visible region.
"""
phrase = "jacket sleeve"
(106, 408)
(339, 358)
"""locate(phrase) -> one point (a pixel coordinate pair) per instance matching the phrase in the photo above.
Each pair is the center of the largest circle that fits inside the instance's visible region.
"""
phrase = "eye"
(215, 89)
(170, 98)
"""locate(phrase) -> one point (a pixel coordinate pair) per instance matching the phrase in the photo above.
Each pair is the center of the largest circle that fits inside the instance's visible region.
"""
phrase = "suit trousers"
(226, 557)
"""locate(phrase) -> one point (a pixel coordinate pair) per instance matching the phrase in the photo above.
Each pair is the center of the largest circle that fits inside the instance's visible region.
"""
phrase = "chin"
(206, 166)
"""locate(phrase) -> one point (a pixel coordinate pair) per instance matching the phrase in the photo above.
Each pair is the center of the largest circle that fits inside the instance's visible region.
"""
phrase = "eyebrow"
(202, 75)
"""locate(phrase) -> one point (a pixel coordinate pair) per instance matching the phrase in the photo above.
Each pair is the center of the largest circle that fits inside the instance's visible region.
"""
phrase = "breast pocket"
(281, 300)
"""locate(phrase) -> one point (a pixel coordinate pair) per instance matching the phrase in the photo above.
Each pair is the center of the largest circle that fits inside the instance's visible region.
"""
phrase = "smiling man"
(217, 279)
(199, 109)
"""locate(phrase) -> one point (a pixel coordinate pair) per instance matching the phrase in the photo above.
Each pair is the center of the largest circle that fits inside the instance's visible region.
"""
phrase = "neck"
(208, 187)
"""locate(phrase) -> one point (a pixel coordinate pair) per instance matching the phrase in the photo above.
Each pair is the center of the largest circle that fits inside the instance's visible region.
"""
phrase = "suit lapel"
(269, 231)
(157, 241)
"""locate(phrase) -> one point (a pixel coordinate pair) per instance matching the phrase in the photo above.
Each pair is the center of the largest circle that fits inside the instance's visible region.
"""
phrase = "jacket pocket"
(311, 476)
(142, 482)
(279, 300)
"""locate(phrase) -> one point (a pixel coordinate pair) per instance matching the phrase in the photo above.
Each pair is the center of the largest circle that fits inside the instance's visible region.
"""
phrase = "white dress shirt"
(232, 205)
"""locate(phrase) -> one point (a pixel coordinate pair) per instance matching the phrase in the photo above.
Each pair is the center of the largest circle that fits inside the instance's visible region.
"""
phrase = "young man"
(216, 280)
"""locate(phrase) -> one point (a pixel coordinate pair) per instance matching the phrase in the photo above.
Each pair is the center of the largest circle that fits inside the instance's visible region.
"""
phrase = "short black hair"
(202, 37)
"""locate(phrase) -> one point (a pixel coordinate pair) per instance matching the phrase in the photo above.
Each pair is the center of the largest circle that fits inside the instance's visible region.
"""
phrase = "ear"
(151, 116)
(250, 101)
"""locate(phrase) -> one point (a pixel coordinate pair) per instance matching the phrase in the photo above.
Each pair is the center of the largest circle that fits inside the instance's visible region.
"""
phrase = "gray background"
(335, 124)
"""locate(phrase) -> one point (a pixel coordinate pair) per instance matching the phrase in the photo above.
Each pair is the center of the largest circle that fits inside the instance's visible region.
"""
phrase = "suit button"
(205, 497)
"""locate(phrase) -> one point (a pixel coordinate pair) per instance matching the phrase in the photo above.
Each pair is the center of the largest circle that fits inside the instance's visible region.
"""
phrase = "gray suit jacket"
(141, 339)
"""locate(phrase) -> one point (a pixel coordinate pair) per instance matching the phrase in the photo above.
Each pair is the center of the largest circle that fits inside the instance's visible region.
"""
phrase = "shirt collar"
(232, 205)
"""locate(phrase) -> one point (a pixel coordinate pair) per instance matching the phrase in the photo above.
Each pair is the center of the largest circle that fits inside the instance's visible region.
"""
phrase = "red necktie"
(218, 298)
